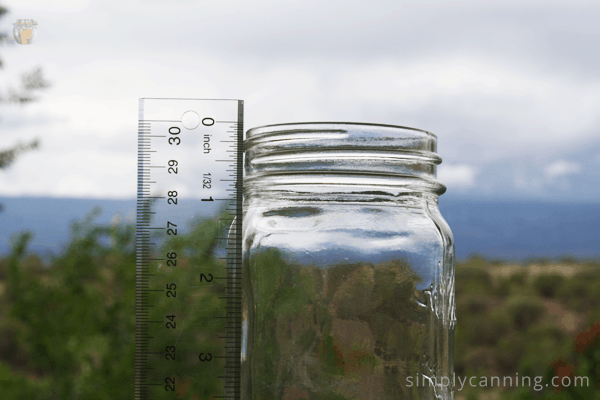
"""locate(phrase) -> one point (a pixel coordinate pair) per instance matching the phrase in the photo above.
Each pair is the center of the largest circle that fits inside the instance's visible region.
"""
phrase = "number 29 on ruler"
(188, 295)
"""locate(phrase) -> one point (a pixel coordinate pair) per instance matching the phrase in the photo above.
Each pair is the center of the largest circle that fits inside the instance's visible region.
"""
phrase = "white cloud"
(561, 168)
(502, 103)
(488, 96)
(78, 185)
(460, 176)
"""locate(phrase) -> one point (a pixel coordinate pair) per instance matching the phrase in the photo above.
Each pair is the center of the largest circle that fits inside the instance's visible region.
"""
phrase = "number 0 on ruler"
(188, 297)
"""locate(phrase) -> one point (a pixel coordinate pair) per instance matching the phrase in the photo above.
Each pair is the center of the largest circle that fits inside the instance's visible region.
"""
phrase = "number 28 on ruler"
(189, 151)
(206, 182)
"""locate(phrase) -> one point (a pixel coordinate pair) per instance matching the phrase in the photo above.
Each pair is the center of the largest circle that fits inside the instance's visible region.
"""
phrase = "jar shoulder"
(420, 228)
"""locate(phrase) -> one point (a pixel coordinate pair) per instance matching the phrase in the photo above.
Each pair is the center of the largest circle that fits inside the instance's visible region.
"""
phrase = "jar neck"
(269, 195)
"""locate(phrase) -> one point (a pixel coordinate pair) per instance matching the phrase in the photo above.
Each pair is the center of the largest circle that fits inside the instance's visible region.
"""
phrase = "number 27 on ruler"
(187, 333)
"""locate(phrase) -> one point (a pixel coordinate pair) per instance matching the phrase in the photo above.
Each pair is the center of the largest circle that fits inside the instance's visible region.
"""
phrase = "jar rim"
(259, 131)
(314, 151)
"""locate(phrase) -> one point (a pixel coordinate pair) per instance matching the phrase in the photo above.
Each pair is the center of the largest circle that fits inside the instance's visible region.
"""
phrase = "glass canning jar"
(348, 265)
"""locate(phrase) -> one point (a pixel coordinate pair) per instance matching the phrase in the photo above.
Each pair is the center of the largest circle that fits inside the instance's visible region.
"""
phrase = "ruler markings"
(150, 126)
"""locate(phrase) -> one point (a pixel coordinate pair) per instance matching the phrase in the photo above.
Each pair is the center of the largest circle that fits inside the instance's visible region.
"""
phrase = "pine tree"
(30, 83)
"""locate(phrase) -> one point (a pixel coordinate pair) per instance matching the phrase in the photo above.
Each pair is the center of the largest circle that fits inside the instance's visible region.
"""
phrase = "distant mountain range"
(507, 230)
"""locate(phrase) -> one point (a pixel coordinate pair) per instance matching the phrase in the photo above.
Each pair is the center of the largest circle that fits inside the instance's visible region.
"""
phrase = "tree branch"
(30, 82)
(7, 157)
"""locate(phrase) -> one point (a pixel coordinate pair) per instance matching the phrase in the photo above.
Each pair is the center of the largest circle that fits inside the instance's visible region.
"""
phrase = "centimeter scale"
(189, 249)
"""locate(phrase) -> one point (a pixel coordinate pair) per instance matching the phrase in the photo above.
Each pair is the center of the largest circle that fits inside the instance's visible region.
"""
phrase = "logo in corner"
(25, 31)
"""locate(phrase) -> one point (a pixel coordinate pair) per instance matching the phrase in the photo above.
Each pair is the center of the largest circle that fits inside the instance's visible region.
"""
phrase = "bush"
(545, 342)
(548, 285)
(579, 293)
(470, 304)
(68, 332)
(524, 311)
(489, 329)
(475, 261)
(508, 352)
(502, 287)
(518, 278)
(472, 280)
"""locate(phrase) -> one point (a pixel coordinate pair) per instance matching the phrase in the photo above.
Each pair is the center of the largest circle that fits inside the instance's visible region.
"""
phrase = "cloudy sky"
(511, 88)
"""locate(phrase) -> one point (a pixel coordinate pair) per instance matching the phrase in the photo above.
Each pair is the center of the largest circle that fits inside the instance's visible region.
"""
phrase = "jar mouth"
(338, 135)
(342, 148)
(268, 130)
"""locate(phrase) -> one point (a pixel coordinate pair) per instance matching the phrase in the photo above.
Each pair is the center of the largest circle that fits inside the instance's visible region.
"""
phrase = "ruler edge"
(141, 389)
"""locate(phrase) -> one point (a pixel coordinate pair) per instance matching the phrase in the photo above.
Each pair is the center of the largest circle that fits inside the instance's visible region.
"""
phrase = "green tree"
(68, 331)
(31, 82)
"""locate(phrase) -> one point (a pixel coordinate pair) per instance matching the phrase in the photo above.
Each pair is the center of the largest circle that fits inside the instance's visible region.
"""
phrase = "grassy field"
(67, 331)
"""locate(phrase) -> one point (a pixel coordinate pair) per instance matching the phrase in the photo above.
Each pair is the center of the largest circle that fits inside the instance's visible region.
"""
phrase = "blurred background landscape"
(511, 89)
(512, 231)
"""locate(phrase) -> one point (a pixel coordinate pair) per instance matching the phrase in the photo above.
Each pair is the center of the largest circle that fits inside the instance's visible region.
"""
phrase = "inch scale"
(189, 249)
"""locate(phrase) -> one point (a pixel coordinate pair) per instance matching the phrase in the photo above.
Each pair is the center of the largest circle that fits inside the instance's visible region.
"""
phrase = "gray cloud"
(509, 87)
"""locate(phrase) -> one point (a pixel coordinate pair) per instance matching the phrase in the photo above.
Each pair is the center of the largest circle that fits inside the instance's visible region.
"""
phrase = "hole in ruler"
(190, 119)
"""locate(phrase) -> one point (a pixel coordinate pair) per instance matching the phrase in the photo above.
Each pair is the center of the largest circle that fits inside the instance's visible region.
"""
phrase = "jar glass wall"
(348, 265)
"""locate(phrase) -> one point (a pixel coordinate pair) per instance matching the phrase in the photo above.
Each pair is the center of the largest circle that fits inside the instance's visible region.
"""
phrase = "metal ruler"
(189, 249)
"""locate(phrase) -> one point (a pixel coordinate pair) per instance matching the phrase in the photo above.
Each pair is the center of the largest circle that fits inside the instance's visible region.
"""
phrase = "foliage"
(505, 328)
(31, 82)
(7, 157)
(68, 331)
(524, 311)
(548, 285)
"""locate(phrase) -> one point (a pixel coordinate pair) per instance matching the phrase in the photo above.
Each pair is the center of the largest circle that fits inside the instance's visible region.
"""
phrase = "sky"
(510, 88)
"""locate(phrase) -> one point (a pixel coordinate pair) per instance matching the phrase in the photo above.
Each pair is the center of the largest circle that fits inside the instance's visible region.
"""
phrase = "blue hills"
(508, 230)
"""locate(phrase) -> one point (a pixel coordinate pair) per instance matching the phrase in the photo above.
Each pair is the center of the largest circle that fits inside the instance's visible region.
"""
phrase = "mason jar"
(348, 265)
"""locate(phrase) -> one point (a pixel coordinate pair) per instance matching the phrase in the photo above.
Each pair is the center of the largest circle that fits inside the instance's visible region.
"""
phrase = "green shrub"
(548, 285)
(577, 293)
(518, 278)
(475, 261)
(524, 311)
(545, 343)
(502, 287)
(508, 352)
(68, 332)
(489, 328)
(573, 287)
(473, 280)
(470, 304)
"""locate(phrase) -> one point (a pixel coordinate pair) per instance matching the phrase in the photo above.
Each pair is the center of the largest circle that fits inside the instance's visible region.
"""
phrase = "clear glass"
(348, 265)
